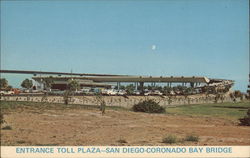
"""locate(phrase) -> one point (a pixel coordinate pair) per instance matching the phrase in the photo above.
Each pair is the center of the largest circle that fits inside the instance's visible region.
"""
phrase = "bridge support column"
(118, 85)
(192, 84)
(136, 85)
(141, 86)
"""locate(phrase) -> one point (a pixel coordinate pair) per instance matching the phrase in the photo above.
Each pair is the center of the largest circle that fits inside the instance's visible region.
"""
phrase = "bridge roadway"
(131, 79)
(54, 73)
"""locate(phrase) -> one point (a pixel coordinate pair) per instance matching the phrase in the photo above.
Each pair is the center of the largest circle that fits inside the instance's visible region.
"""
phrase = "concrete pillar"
(141, 86)
(136, 85)
(118, 85)
(192, 84)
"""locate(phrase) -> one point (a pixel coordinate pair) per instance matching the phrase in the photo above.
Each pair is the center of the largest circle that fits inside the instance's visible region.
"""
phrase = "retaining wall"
(122, 101)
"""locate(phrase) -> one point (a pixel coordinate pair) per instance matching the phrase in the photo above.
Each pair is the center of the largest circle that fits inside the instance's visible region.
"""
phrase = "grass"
(231, 111)
(7, 105)
(21, 142)
(46, 144)
(170, 139)
(192, 138)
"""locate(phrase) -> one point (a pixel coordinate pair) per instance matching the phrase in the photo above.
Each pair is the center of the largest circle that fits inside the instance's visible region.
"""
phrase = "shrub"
(149, 106)
(21, 142)
(1, 118)
(246, 120)
(122, 141)
(7, 128)
(170, 139)
(192, 138)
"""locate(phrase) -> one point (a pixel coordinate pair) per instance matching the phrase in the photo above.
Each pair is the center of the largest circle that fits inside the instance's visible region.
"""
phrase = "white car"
(121, 92)
(157, 92)
(7, 92)
(148, 93)
(111, 92)
(172, 93)
(136, 92)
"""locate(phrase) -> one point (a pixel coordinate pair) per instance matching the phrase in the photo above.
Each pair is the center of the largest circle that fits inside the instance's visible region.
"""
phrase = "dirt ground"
(89, 127)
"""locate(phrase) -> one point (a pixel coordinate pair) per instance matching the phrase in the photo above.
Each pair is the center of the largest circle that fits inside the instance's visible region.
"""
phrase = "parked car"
(136, 92)
(112, 92)
(7, 92)
(147, 92)
(156, 92)
(121, 92)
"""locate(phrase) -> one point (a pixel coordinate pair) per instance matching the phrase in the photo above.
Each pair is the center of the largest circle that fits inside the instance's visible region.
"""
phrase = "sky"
(133, 37)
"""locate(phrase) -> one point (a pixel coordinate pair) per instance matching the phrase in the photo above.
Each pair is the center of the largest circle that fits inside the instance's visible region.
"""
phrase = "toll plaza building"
(60, 82)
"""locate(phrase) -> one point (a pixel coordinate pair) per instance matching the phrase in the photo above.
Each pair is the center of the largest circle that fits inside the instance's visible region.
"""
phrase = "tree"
(48, 82)
(130, 88)
(27, 83)
(73, 85)
(102, 103)
(166, 90)
(3, 83)
(47, 85)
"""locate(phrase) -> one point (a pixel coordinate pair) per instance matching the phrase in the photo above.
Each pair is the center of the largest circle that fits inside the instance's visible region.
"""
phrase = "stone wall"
(122, 101)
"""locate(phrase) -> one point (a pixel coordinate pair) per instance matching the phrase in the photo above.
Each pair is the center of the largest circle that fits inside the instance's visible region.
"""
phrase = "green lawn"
(222, 110)
(232, 111)
(17, 104)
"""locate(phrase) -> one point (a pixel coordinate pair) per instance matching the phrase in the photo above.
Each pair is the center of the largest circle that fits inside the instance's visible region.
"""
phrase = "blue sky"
(191, 37)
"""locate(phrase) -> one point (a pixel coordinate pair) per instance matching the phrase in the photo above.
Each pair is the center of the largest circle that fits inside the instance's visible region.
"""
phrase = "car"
(172, 93)
(7, 92)
(121, 92)
(147, 92)
(156, 92)
(109, 92)
(136, 92)
(112, 92)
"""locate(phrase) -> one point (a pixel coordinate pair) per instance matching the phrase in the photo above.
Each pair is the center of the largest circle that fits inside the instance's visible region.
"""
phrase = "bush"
(7, 128)
(1, 118)
(122, 141)
(246, 120)
(149, 106)
(192, 138)
(170, 139)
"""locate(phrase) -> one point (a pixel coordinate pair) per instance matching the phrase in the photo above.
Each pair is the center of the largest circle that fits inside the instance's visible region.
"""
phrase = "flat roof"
(173, 79)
